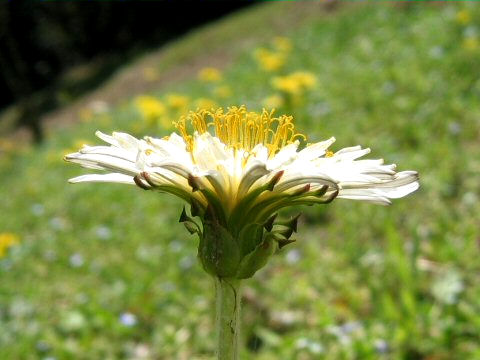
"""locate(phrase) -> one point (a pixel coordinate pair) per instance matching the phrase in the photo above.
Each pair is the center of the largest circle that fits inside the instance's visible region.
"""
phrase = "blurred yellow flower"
(150, 107)
(223, 91)
(470, 43)
(205, 103)
(273, 101)
(463, 17)
(177, 101)
(209, 74)
(307, 79)
(282, 43)
(269, 60)
(295, 83)
(7, 240)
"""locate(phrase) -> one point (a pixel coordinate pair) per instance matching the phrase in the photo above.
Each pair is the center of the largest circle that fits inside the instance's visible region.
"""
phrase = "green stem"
(228, 318)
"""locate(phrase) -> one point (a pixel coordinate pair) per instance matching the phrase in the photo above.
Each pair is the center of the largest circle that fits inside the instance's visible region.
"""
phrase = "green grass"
(361, 282)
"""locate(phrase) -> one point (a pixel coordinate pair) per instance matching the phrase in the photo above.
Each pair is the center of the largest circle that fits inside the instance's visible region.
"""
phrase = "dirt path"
(216, 45)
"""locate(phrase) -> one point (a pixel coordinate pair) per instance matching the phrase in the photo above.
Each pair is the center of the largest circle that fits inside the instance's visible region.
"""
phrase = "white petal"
(104, 162)
(260, 153)
(107, 138)
(208, 151)
(379, 200)
(350, 154)
(109, 150)
(348, 149)
(395, 193)
(112, 177)
(316, 150)
(125, 140)
(289, 183)
(255, 171)
(284, 157)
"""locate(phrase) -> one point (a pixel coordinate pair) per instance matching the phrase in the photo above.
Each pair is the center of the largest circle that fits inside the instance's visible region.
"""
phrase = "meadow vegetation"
(106, 272)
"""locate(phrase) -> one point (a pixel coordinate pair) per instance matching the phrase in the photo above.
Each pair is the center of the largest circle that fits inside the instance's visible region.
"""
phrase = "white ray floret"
(246, 154)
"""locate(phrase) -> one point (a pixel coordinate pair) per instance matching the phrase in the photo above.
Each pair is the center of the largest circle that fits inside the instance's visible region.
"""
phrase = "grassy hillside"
(103, 271)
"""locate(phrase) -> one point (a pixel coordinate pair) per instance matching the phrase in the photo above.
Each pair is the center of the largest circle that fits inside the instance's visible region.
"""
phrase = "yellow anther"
(240, 129)
(329, 153)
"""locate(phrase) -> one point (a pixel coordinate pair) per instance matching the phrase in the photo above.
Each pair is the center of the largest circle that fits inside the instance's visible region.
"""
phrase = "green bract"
(239, 255)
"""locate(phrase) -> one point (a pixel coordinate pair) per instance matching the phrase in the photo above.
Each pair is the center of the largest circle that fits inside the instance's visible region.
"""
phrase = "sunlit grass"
(106, 271)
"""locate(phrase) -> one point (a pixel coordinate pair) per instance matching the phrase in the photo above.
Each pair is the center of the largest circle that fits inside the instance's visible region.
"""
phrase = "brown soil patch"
(215, 39)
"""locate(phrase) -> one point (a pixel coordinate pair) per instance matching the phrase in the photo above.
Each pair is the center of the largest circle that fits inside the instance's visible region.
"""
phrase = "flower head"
(177, 101)
(205, 103)
(150, 107)
(7, 240)
(236, 169)
(295, 83)
(463, 17)
(223, 91)
(269, 60)
(209, 74)
(282, 43)
(273, 101)
(470, 43)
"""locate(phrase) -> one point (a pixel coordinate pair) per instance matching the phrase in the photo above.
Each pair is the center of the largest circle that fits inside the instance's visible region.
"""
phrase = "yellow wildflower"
(273, 101)
(470, 43)
(177, 101)
(286, 84)
(305, 78)
(223, 91)
(204, 103)
(150, 107)
(209, 74)
(463, 17)
(269, 60)
(7, 240)
(295, 83)
(282, 43)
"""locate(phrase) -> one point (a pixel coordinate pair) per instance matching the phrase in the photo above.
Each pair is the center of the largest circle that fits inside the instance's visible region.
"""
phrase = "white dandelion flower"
(237, 169)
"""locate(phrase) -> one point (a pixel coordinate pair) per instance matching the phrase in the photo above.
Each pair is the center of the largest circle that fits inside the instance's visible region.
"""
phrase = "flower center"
(240, 129)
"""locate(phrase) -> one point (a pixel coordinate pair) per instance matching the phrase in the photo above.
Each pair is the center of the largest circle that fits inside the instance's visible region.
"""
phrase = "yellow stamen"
(328, 153)
(240, 129)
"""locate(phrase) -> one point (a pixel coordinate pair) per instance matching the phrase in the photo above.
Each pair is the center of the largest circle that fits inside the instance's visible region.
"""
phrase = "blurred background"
(101, 271)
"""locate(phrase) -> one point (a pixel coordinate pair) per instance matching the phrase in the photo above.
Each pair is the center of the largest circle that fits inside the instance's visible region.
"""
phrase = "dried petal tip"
(320, 192)
(147, 178)
(275, 179)
(302, 190)
(193, 182)
(140, 183)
